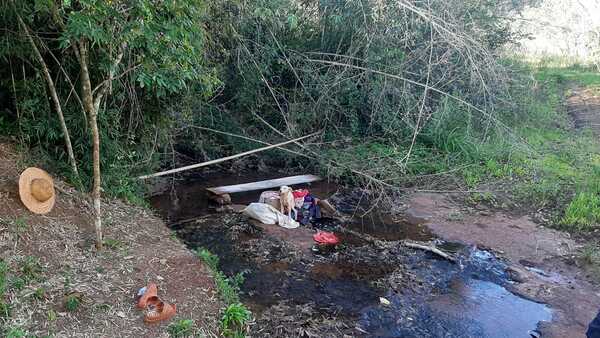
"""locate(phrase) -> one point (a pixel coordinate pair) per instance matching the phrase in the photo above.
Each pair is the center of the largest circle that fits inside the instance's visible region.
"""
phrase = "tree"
(158, 43)
(53, 94)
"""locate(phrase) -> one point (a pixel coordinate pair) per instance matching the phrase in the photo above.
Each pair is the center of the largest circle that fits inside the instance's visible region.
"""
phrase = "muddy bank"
(371, 285)
(542, 260)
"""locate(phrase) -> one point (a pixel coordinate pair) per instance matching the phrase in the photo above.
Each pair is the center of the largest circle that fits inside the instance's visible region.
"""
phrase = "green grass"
(15, 333)
(228, 287)
(17, 283)
(561, 170)
(113, 244)
(5, 309)
(591, 254)
(4, 306)
(19, 226)
(51, 315)
(583, 212)
(39, 293)
(567, 171)
(585, 76)
(236, 315)
(3, 277)
(542, 164)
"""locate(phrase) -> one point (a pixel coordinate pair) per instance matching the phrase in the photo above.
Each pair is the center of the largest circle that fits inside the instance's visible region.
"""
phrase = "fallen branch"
(223, 159)
(430, 248)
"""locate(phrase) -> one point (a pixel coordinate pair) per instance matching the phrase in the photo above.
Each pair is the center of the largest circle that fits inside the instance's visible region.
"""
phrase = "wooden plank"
(261, 185)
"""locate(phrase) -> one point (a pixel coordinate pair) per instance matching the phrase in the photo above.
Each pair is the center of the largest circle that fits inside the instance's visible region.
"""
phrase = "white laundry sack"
(266, 214)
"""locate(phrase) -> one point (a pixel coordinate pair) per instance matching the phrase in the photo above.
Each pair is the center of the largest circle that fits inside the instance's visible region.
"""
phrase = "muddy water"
(295, 293)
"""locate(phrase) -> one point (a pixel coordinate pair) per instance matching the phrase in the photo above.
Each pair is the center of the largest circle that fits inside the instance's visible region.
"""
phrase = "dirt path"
(541, 259)
(583, 106)
(63, 262)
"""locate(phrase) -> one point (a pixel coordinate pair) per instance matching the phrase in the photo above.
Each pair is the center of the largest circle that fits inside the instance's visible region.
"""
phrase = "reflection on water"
(498, 312)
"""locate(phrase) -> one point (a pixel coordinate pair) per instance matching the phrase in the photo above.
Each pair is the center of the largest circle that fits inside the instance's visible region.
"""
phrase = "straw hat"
(36, 189)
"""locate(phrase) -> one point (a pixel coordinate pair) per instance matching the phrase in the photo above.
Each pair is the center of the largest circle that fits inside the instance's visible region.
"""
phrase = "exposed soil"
(139, 250)
(584, 107)
(542, 259)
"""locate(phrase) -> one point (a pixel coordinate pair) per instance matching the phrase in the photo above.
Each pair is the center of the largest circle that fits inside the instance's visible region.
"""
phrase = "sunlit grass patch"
(583, 213)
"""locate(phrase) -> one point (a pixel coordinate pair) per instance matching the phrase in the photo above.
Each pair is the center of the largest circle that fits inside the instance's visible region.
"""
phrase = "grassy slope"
(558, 170)
(565, 171)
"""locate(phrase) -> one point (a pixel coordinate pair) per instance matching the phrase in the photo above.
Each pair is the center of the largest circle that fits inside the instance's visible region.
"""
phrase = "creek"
(296, 292)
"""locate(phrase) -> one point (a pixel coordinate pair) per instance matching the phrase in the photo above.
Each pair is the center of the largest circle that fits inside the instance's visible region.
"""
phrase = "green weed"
(103, 307)
(51, 315)
(455, 216)
(113, 244)
(39, 294)
(19, 226)
(5, 309)
(3, 277)
(67, 279)
(590, 254)
(234, 320)
(31, 269)
(590, 257)
(586, 76)
(17, 283)
(181, 328)
(16, 333)
(72, 303)
(211, 260)
(236, 314)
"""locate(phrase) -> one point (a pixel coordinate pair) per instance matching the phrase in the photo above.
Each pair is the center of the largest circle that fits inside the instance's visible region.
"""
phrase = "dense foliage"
(395, 76)
(152, 50)
(387, 82)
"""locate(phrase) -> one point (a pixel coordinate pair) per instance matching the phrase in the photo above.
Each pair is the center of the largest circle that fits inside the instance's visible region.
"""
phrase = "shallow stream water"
(428, 296)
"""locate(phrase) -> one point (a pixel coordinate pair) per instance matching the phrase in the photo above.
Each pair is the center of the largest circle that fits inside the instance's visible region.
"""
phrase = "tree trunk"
(92, 112)
(54, 95)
